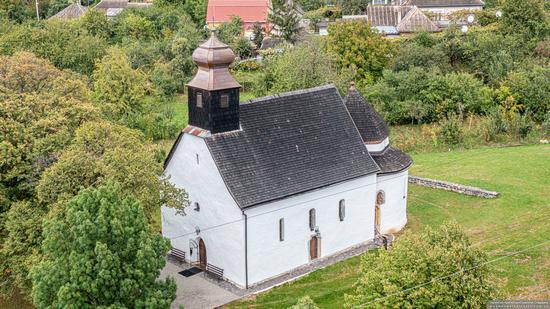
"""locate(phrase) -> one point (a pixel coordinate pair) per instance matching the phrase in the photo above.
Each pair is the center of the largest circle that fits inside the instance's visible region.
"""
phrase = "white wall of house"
(393, 213)
(379, 146)
(202, 180)
(268, 256)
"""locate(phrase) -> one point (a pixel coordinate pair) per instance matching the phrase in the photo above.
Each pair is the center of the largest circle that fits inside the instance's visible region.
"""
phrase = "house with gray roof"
(114, 7)
(439, 11)
(394, 20)
(72, 11)
(279, 181)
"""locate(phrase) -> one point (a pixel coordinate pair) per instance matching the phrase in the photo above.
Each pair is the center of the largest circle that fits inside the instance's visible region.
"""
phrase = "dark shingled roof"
(290, 143)
(370, 124)
(391, 160)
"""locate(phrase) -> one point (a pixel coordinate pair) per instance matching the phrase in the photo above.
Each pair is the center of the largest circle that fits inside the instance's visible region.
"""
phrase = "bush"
(303, 66)
(451, 130)
(242, 47)
(531, 88)
(416, 55)
(400, 95)
(419, 258)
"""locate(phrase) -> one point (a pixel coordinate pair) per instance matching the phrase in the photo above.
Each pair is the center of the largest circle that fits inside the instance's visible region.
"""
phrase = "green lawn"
(516, 220)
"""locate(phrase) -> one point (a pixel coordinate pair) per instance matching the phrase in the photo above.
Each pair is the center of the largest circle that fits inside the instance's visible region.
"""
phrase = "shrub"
(416, 55)
(522, 125)
(451, 130)
(531, 88)
(303, 66)
(242, 47)
(409, 275)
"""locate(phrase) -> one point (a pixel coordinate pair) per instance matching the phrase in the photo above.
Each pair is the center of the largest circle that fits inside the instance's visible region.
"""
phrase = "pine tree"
(100, 252)
(258, 35)
(285, 21)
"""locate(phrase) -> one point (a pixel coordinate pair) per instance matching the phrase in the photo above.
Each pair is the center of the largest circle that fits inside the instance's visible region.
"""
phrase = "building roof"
(121, 4)
(72, 11)
(370, 124)
(290, 143)
(248, 10)
(444, 3)
(391, 160)
(415, 21)
(403, 18)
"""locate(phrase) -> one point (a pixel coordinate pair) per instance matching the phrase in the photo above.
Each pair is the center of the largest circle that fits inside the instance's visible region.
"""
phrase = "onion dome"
(213, 59)
(370, 124)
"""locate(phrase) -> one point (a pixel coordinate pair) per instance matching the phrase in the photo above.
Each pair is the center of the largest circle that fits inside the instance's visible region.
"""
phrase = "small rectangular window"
(199, 100)
(312, 219)
(224, 101)
(281, 229)
(342, 210)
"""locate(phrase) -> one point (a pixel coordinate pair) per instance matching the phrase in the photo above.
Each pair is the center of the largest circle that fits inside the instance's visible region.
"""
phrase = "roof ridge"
(289, 94)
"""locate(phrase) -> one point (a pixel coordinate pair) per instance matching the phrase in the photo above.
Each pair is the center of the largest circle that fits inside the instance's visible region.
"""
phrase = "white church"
(279, 181)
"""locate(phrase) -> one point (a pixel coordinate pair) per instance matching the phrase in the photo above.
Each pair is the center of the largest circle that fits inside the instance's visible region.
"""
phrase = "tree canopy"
(436, 268)
(100, 252)
(355, 44)
(285, 21)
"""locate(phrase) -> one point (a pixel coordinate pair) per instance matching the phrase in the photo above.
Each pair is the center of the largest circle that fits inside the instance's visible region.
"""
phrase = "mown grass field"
(518, 219)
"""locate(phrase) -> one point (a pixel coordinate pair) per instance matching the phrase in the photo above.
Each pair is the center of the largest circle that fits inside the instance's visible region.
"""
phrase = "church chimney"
(213, 94)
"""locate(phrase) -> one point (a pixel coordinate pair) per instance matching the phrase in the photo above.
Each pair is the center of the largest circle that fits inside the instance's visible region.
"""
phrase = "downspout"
(246, 249)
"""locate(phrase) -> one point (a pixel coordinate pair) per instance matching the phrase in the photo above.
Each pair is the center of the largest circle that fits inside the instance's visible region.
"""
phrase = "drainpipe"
(246, 249)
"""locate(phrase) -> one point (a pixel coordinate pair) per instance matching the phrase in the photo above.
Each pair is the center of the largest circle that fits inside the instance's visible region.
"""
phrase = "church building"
(279, 181)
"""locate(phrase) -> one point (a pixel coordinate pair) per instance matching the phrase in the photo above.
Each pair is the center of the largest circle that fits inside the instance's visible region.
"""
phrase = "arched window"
(342, 210)
(312, 219)
(380, 198)
(281, 229)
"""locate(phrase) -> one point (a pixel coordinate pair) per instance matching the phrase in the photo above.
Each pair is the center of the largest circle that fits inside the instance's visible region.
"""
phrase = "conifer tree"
(100, 252)
(285, 21)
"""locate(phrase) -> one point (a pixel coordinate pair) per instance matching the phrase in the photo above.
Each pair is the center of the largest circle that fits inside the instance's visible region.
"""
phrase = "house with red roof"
(250, 11)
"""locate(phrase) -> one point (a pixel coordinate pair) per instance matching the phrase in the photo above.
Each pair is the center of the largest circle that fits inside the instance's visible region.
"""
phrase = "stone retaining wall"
(449, 186)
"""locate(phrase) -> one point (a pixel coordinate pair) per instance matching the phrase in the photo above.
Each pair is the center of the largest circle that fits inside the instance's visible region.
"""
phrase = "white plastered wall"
(268, 256)
(220, 220)
(393, 213)
(379, 146)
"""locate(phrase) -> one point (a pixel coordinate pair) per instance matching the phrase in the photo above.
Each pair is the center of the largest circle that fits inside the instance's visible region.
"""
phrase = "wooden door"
(314, 247)
(377, 218)
(202, 254)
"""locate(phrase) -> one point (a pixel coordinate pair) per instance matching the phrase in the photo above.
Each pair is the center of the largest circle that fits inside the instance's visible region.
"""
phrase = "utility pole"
(36, 5)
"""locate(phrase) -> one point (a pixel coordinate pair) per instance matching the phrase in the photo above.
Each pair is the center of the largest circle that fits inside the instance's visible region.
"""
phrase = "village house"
(394, 20)
(114, 7)
(440, 11)
(72, 11)
(279, 181)
(250, 11)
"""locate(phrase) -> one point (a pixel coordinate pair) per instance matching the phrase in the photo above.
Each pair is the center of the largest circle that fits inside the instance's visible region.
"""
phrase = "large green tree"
(100, 252)
(40, 109)
(302, 66)
(103, 152)
(119, 90)
(355, 44)
(284, 19)
(66, 45)
(437, 268)
(526, 17)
